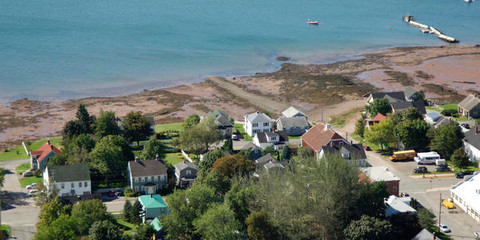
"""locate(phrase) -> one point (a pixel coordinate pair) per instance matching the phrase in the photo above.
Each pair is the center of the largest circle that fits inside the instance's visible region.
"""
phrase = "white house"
(68, 179)
(293, 112)
(471, 143)
(466, 195)
(257, 122)
(397, 205)
(276, 139)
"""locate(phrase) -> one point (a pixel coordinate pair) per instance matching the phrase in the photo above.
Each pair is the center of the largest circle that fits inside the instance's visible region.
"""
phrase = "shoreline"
(123, 90)
(318, 89)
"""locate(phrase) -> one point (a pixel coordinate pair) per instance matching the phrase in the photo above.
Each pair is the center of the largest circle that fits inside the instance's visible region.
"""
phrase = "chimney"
(327, 126)
(151, 195)
(156, 157)
(48, 141)
(136, 159)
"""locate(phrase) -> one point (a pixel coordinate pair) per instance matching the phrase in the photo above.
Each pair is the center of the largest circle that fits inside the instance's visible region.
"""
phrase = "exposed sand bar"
(445, 73)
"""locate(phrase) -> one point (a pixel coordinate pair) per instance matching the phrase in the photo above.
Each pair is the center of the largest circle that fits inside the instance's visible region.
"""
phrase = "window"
(142, 179)
(86, 184)
(154, 178)
(136, 189)
(73, 185)
(254, 124)
(266, 124)
(189, 172)
(136, 179)
(80, 184)
(63, 186)
(273, 138)
(394, 189)
(146, 179)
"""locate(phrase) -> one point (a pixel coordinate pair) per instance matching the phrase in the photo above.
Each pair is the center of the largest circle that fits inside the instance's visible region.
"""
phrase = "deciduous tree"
(137, 127)
(413, 133)
(104, 230)
(446, 139)
(368, 228)
(459, 158)
(208, 159)
(235, 164)
(106, 124)
(260, 226)
(382, 133)
(379, 105)
(152, 149)
(218, 222)
(192, 120)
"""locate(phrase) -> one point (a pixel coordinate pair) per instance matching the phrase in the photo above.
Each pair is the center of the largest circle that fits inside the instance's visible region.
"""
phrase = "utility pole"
(440, 212)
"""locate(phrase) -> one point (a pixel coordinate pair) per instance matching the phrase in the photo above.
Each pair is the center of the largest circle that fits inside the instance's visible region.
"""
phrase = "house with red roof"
(322, 135)
(377, 119)
(39, 158)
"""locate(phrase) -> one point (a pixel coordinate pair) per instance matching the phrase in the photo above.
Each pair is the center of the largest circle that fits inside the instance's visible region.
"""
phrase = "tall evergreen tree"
(85, 118)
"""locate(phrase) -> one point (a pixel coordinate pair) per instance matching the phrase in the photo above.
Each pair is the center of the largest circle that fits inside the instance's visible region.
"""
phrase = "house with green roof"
(70, 180)
(152, 206)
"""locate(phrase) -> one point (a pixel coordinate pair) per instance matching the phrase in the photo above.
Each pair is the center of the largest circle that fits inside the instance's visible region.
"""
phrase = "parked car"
(442, 168)
(32, 192)
(420, 170)
(111, 193)
(476, 234)
(444, 228)
(28, 174)
(235, 137)
(367, 148)
(463, 174)
(448, 203)
(119, 193)
(465, 125)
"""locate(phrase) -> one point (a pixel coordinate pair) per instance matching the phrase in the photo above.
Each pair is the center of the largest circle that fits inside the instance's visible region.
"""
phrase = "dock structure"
(428, 29)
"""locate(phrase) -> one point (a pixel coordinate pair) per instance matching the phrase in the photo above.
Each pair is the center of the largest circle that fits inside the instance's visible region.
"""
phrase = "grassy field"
(24, 181)
(433, 109)
(169, 127)
(19, 153)
(174, 158)
(128, 227)
(22, 168)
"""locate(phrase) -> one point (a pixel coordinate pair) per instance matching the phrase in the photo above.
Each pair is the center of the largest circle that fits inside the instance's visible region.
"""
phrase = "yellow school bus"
(403, 155)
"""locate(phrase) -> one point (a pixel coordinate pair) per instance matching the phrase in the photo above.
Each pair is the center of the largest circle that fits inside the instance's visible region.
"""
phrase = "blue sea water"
(59, 49)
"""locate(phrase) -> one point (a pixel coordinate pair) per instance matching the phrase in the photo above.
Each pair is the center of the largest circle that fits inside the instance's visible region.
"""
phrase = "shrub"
(129, 192)
(449, 112)
(38, 173)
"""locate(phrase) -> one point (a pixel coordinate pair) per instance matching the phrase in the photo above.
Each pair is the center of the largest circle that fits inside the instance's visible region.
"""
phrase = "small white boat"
(468, 1)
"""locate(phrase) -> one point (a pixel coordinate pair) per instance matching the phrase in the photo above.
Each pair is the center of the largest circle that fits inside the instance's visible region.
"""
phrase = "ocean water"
(60, 49)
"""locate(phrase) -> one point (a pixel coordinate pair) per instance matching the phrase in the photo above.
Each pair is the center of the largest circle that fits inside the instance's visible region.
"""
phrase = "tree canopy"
(382, 133)
(153, 148)
(137, 127)
(197, 138)
(192, 120)
(106, 124)
(446, 139)
(368, 228)
(379, 105)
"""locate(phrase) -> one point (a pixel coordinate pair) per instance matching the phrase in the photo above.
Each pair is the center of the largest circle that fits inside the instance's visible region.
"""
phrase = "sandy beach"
(445, 73)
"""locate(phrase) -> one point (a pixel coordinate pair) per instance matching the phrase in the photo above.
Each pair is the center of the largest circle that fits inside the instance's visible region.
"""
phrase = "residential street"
(20, 213)
(427, 191)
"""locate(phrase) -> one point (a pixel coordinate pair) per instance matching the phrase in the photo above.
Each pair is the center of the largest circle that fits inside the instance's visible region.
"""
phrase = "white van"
(427, 158)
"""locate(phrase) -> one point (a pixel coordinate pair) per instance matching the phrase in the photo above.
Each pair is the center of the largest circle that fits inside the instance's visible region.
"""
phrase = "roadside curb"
(430, 176)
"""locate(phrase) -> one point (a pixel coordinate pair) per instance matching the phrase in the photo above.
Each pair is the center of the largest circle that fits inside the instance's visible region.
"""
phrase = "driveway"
(20, 212)
(427, 191)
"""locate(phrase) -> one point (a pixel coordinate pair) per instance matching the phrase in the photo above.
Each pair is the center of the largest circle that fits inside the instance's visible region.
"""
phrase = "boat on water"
(468, 1)
(312, 22)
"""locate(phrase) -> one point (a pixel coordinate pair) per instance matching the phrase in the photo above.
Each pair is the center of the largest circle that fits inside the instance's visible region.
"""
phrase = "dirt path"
(262, 102)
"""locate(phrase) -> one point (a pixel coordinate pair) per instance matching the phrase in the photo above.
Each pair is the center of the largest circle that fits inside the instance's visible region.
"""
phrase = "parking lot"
(427, 190)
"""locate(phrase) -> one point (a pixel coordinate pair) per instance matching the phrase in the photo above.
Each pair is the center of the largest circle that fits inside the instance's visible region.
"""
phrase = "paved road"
(21, 214)
(427, 191)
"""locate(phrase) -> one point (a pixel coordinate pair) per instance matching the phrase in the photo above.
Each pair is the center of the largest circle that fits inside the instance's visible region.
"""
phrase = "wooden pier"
(428, 29)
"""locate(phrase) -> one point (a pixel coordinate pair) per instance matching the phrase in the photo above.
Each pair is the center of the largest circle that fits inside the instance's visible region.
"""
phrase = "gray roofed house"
(268, 163)
(435, 119)
(295, 126)
(257, 122)
(223, 122)
(147, 176)
(276, 139)
(350, 152)
(397, 205)
(470, 106)
(185, 173)
(400, 101)
(425, 235)
(471, 143)
(71, 179)
(256, 151)
(293, 112)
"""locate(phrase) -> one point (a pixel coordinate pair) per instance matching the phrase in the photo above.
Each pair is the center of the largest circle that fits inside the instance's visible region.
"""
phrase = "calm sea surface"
(59, 49)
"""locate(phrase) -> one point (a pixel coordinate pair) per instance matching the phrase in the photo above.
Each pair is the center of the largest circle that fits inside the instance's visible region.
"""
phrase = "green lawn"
(240, 129)
(174, 158)
(433, 109)
(128, 227)
(469, 168)
(22, 168)
(294, 137)
(24, 181)
(169, 127)
(439, 234)
(451, 106)
(19, 153)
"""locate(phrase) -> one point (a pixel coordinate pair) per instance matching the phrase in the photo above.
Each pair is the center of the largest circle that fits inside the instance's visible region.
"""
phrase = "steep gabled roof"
(289, 122)
(147, 168)
(186, 164)
(469, 102)
(319, 136)
(258, 117)
(44, 150)
(69, 173)
(393, 95)
(409, 93)
(263, 136)
(291, 112)
(260, 162)
(356, 150)
(221, 118)
(473, 138)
